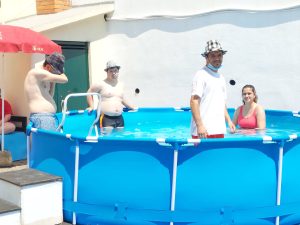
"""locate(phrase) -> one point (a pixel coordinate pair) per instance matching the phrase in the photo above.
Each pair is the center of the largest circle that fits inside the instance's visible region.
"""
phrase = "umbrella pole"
(2, 102)
(2, 121)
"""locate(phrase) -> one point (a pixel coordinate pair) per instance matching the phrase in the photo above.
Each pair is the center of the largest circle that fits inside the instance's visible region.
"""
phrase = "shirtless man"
(39, 89)
(112, 98)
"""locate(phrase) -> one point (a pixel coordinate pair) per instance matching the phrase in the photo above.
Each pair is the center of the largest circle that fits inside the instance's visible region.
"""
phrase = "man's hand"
(202, 132)
(89, 109)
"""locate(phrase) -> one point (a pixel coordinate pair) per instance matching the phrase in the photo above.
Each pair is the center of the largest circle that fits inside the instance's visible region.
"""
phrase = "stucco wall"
(11, 9)
(13, 75)
(160, 55)
(150, 8)
(91, 30)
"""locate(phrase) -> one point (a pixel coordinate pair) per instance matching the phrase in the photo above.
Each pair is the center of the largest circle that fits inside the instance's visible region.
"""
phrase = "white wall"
(86, 2)
(12, 9)
(14, 66)
(143, 8)
(13, 73)
(90, 30)
(160, 55)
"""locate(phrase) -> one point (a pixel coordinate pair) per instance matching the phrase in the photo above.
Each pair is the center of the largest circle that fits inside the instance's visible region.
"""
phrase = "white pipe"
(2, 102)
(279, 180)
(174, 181)
(28, 149)
(2, 121)
(75, 188)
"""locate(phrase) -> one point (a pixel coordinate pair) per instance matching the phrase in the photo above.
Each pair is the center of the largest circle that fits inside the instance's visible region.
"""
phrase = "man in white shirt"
(208, 98)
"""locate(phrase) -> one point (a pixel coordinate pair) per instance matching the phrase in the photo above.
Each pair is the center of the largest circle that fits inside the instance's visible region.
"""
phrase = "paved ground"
(17, 165)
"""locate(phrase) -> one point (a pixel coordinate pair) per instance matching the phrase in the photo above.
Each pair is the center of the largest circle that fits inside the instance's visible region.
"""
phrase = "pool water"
(175, 124)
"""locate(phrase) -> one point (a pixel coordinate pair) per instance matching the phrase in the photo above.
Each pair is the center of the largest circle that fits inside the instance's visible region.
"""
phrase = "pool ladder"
(65, 112)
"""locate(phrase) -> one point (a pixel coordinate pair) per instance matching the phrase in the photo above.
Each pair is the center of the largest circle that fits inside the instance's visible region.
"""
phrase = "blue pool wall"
(15, 143)
(129, 181)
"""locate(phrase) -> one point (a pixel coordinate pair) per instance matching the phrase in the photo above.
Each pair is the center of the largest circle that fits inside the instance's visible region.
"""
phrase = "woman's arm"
(235, 116)
(260, 117)
(231, 125)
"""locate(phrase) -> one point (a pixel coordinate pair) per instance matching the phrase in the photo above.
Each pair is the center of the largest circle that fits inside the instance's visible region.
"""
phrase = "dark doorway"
(77, 71)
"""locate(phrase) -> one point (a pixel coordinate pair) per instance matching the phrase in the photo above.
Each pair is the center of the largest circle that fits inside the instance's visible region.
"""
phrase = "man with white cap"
(208, 98)
(39, 89)
(112, 98)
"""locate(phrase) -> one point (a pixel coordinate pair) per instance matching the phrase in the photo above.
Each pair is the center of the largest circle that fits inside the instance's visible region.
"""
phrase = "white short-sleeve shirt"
(211, 88)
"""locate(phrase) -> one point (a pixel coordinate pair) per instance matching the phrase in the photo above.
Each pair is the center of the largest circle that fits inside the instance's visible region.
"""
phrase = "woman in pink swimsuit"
(250, 115)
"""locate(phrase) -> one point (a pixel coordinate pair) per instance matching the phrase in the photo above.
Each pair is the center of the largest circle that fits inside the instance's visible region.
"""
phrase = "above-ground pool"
(153, 173)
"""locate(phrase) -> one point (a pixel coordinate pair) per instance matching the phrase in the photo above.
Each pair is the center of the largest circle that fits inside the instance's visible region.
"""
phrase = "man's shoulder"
(36, 70)
(98, 85)
(201, 73)
(37, 73)
(239, 108)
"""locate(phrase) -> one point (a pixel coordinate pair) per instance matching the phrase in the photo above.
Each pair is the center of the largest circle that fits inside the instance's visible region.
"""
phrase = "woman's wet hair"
(252, 89)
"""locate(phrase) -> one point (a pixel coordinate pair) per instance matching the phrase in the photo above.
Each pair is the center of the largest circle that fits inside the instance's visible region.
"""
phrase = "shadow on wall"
(239, 18)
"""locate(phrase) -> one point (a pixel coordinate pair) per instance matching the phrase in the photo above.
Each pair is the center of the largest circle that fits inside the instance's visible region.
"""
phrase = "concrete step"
(39, 195)
(9, 213)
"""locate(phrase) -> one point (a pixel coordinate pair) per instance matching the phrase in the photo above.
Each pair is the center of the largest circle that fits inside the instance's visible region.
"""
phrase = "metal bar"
(76, 170)
(279, 179)
(65, 106)
(174, 182)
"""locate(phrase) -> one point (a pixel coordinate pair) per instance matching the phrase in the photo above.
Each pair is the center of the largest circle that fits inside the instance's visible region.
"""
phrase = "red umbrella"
(20, 39)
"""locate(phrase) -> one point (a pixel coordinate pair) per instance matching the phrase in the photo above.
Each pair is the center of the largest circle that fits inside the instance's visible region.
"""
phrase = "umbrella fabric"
(20, 39)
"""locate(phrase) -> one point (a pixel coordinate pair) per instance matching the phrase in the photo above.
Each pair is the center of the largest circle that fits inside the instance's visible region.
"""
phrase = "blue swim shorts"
(47, 121)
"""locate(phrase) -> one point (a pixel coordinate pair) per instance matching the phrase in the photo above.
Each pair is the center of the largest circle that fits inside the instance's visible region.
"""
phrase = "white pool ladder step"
(30, 197)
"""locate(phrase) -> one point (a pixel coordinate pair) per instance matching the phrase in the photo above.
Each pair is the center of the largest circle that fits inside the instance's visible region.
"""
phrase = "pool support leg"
(279, 178)
(174, 176)
(75, 188)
